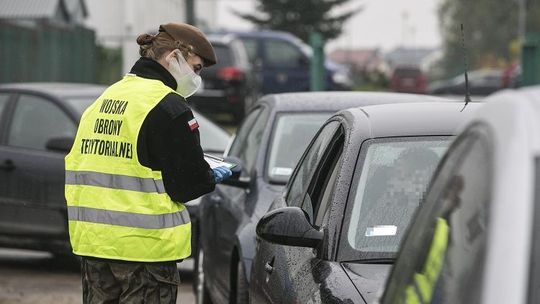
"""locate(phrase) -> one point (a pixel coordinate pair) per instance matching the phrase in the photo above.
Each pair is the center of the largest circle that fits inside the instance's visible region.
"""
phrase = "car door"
(285, 67)
(226, 206)
(442, 257)
(32, 177)
(283, 274)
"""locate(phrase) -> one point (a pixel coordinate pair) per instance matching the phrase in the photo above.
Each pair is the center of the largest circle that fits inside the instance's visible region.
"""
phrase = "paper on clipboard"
(215, 162)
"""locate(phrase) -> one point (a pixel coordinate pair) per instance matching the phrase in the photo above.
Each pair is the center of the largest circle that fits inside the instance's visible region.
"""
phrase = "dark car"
(476, 238)
(481, 83)
(282, 63)
(408, 80)
(332, 236)
(229, 86)
(267, 145)
(38, 122)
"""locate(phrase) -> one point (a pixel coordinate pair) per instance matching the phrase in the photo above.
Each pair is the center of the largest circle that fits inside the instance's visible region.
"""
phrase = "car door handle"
(269, 266)
(7, 165)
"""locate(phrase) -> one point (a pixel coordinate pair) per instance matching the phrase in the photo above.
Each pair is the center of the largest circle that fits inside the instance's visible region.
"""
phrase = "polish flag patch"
(193, 124)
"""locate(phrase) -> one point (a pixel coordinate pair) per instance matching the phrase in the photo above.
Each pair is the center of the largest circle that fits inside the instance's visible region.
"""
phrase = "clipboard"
(215, 162)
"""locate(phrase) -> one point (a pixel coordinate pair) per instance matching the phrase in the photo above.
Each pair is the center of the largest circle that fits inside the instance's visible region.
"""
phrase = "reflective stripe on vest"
(128, 219)
(421, 289)
(114, 181)
(118, 208)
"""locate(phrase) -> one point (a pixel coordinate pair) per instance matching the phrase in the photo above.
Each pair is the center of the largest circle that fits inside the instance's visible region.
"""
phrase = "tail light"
(230, 74)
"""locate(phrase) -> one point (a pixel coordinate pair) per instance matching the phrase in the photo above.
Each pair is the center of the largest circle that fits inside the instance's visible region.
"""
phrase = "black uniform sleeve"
(174, 148)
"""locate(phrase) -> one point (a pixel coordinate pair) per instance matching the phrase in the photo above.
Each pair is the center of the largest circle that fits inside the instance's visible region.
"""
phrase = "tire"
(201, 292)
(242, 295)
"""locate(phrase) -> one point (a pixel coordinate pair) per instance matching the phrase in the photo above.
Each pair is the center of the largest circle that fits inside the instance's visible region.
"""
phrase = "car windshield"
(292, 134)
(394, 177)
(213, 138)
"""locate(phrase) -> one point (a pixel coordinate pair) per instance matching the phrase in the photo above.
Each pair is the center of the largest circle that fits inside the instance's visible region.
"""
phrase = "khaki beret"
(193, 36)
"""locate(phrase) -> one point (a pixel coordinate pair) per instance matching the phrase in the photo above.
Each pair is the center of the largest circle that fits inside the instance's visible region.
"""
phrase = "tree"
(490, 31)
(300, 17)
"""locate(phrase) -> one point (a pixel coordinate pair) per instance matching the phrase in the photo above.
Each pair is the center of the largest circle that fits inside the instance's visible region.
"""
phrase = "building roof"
(42, 9)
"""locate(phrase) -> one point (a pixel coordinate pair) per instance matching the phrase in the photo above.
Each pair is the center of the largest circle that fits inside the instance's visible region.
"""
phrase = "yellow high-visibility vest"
(118, 208)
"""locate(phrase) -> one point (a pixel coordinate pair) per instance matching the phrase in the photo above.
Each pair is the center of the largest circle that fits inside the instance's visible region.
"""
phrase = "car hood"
(369, 279)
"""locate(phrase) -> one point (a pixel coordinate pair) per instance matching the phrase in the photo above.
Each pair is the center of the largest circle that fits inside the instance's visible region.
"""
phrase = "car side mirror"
(235, 180)
(289, 226)
(59, 144)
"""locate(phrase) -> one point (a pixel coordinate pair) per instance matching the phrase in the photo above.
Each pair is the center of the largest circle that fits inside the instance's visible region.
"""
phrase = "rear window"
(407, 72)
(80, 103)
(224, 55)
(292, 134)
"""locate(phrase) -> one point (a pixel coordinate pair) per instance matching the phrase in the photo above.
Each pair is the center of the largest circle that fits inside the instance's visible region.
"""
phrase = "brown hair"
(154, 47)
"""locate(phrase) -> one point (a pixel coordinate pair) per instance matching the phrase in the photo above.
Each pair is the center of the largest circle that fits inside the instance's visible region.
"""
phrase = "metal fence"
(47, 53)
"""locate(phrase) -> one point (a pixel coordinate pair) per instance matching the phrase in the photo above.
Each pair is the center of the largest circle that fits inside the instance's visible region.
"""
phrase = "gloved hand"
(221, 173)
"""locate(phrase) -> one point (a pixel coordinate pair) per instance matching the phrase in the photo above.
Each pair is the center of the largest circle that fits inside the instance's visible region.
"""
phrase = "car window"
(283, 54)
(249, 136)
(292, 134)
(4, 98)
(534, 274)
(251, 48)
(394, 175)
(36, 120)
(323, 185)
(446, 249)
(310, 160)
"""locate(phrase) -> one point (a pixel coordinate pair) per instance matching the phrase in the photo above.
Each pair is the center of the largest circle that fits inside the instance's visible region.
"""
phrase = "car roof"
(410, 119)
(511, 112)
(58, 89)
(335, 101)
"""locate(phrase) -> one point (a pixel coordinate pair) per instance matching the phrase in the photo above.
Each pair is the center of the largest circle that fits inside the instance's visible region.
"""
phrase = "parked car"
(481, 83)
(267, 145)
(38, 122)
(335, 230)
(408, 79)
(229, 86)
(282, 62)
(476, 237)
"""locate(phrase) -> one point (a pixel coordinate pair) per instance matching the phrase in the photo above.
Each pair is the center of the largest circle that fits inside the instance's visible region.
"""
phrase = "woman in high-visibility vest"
(135, 160)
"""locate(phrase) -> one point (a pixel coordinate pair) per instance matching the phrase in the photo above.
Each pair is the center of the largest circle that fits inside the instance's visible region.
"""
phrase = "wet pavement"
(28, 277)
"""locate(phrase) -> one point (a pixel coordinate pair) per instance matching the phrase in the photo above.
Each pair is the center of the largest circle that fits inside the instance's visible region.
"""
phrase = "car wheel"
(201, 292)
(242, 296)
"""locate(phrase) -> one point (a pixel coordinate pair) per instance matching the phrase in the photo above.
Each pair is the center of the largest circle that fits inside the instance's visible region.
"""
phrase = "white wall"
(118, 23)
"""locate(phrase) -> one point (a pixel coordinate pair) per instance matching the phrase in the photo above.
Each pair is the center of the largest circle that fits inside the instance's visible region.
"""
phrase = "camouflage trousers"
(107, 281)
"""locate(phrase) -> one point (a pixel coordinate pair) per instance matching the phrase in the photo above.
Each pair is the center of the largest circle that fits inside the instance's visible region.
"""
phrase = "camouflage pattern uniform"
(108, 281)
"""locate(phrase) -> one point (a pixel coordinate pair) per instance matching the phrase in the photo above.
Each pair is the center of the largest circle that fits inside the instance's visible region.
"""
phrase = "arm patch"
(174, 105)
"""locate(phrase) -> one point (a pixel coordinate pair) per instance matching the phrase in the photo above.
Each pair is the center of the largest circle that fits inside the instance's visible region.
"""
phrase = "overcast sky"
(384, 24)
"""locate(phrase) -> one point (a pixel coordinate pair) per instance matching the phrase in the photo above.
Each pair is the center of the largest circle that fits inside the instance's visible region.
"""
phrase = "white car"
(476, 238)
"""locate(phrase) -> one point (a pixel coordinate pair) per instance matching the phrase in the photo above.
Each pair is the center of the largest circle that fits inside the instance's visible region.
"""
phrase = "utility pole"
(190, 12)
(317, 72)
(522, 19)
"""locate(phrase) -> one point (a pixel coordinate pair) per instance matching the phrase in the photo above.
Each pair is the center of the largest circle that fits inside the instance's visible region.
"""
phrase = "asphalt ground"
(28, 277)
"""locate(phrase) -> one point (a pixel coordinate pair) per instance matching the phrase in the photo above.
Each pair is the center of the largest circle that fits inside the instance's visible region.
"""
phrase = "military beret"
(193, 36)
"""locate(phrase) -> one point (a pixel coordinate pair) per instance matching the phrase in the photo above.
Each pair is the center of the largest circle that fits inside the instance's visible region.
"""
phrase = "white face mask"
(188, 82)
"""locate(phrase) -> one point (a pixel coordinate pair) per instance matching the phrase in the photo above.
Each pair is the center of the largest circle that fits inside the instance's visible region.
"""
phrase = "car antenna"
(466, 59)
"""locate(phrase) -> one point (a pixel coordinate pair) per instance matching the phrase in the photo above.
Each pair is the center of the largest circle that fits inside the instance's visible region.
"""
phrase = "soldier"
(136, 158)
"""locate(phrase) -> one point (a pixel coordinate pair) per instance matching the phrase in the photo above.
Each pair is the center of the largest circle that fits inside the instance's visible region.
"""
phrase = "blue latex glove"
(221, 173)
